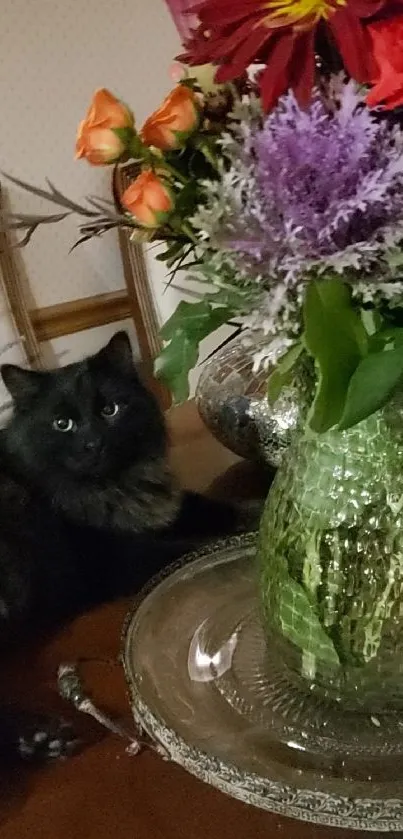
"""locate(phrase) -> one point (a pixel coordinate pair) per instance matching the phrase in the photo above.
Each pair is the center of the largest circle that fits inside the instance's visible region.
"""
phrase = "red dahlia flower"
(387, 47)
(281, 35)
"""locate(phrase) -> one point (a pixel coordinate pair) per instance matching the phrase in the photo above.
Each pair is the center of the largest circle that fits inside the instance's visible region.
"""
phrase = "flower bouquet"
(177, 154)
(279, 186)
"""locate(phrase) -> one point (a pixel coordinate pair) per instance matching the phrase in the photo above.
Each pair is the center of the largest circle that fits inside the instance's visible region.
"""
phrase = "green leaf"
(207, 146)
(393, 317)
(394, 258)
(283, 372)
(172, 251)
(390, 335)
(239, 300)
(191, 82)
(372, 320)
(335, 336)
(300, 623)
(372, 385)
(196, 319)
(187, 200)
(189, 324)
(174, 363)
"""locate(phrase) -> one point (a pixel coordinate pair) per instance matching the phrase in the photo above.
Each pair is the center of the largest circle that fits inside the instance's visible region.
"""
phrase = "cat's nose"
(92, 445)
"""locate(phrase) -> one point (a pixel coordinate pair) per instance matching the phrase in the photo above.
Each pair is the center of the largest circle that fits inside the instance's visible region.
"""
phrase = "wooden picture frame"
(135, 301)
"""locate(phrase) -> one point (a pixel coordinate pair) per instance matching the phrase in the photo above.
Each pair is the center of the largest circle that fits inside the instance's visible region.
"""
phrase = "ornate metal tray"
(204, 685)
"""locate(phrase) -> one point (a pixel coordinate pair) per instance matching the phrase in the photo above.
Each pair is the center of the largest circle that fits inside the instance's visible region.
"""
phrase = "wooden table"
(102, 793)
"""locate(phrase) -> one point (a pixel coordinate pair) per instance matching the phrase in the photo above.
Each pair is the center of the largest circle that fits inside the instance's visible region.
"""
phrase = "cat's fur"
(89, 509)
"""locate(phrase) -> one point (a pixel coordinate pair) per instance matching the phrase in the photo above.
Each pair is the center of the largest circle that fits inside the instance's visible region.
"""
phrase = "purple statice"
(318, 186)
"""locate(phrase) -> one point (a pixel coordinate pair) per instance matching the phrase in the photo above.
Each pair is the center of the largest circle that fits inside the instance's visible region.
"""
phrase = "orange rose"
(177, 118)
(100, 138)
(148, 199)
(99, 146)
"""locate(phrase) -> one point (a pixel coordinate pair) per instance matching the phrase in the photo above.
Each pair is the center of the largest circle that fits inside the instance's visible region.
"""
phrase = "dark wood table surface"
(102, 793)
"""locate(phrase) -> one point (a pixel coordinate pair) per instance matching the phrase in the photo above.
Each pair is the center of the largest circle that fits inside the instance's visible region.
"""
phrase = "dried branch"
(98, 220)
(105, 216)
(61, 199)
(103, 208)
(238, 328)
(29, 223)
(181, 264)
(91, 231)
(100, 223)
(28, 236)
(22, 219)
(104, 201)
(11, 344)
(53, 195)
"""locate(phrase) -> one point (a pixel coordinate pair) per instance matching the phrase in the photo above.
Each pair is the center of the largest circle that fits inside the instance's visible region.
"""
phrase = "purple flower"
(323, 182)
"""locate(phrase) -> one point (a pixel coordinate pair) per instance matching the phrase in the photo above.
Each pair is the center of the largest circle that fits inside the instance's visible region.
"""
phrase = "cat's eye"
(110, 410)
(64, 424)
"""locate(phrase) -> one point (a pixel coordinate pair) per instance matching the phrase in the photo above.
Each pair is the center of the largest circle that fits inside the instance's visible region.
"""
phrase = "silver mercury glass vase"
(232, 401)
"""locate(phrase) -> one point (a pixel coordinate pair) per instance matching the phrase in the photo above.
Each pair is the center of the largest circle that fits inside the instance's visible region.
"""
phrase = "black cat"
(89, 509)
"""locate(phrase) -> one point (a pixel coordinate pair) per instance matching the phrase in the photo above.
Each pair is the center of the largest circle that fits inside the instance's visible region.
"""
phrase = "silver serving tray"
(205, 687)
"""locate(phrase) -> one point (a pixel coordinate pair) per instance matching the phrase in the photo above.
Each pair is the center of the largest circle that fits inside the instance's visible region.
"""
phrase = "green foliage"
(386, 338)
(372, 384)
(283, 373)
(372, 320)
(182, 334)
(394, 259)
(175, 254)
(174, 363)
(300, 623)
(127, 136)
(336, 338)
(132, 143)
(238, 300)
(187, 199)
(358, 357)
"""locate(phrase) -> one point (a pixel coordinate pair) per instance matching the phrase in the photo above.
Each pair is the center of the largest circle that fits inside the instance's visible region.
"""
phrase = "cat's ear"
(21, 384)
(118, 353)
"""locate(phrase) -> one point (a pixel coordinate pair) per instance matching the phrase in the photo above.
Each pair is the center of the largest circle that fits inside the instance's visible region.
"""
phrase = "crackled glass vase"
(331, 563)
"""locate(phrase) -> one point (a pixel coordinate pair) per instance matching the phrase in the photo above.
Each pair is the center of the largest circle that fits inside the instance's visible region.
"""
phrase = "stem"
(190, 233)
(174, 172)
(202, 146)
(167, 237)
(311, 574)
(138, 151)
(210, 157)
(308, 665)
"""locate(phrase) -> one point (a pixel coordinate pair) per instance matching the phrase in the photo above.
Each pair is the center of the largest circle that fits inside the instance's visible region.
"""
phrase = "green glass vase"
(331, 563)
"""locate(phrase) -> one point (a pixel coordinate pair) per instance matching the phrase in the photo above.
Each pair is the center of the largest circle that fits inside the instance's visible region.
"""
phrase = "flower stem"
(187, 229)
(137, 150)
(308, 665)
(173, 171)
(201, 145)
